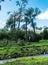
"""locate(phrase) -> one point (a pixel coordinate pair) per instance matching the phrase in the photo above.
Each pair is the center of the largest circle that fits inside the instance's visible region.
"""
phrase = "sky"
(41, 19)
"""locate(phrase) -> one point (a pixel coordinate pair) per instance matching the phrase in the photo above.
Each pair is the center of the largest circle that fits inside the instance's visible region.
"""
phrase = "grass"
(33, 48)
(37, 60)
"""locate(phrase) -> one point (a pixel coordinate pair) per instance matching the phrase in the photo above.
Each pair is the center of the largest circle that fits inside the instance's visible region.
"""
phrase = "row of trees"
(18, 23)
(20, 34)
(22, 18)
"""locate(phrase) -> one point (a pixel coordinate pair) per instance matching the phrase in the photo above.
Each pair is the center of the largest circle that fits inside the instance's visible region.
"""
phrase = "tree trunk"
(19, 25)
(26, 30)
(33, 26)
(14, 24)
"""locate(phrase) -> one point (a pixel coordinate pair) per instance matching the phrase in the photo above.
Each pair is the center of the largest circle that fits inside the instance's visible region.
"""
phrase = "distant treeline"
(20, 34)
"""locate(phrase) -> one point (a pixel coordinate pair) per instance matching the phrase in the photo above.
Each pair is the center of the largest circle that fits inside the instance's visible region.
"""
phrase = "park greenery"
(37, 60)
(15, 50)
(18, 40)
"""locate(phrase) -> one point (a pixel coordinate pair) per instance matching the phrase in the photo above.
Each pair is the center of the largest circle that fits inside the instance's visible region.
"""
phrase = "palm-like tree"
(29, 17)
(19, 19)
(11, 22)
(32, 13)
(36, 12)
(22, 5)
(26, 20)
(17, 16)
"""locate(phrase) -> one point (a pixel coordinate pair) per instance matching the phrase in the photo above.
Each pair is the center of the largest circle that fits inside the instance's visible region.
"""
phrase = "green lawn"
(37, 60)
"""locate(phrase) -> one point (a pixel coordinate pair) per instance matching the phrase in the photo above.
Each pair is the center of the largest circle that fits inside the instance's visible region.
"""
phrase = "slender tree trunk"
(19, 25)
(26, 30)
(33, 26)
(34, 30)
(14, 24)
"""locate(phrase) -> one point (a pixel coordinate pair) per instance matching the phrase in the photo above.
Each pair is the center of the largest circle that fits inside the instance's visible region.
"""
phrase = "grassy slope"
(31, 49)
(13, 48)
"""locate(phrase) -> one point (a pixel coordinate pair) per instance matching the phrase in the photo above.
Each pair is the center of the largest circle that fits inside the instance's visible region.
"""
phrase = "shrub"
(21, 42)
(45, 34)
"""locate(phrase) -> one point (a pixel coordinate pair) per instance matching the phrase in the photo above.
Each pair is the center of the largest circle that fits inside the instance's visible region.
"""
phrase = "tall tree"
(22, 4)
(36, 12)
(17, 16)
(11, 22)
(27, 15)
(32, 13)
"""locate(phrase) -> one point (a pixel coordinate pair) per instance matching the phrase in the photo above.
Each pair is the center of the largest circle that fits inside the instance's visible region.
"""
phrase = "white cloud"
(43, 16)
(2, 23)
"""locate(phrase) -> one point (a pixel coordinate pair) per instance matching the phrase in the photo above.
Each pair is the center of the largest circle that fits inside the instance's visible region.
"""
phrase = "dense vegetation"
(18, 40)
(20, 34)
(12, 50)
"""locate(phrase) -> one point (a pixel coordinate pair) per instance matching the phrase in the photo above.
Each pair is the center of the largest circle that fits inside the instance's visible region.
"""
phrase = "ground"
(31, 49)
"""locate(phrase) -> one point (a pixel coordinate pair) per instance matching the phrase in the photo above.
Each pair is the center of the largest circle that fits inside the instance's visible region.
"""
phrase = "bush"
(45, 34)
(21, 42)
(33, 37)
(18, 34)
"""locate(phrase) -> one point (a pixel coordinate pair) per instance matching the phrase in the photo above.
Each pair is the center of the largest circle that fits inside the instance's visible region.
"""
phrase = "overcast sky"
(42, 19)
